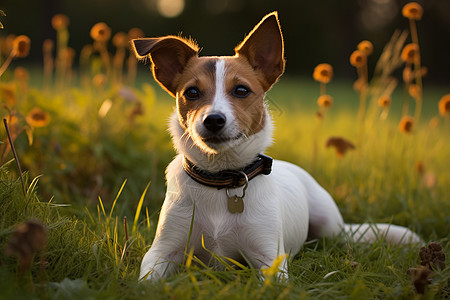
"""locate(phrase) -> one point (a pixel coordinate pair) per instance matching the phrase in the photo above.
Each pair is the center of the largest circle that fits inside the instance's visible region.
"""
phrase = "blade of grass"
(117, 197)
(115, 241)
(138, 209)
(125, 227)
(235, 262)
(148, 219)
(190, 230)
(33, 185)
(218, 257)
(189, 258)
(101, 204)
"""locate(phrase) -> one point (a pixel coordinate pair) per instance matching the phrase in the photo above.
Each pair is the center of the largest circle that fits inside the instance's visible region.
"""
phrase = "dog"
(224, 196)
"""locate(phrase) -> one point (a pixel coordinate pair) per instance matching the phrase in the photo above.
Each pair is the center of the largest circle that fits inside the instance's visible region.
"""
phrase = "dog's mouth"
(220, 139)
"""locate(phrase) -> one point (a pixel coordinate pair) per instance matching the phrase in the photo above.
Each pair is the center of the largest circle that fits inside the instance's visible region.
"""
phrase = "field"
(94, 146)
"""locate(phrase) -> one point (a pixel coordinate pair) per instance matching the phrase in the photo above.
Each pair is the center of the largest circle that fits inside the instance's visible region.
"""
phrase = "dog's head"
(220, 100)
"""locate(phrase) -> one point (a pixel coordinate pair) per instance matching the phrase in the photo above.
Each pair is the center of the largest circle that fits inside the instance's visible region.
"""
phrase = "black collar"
(229, 178)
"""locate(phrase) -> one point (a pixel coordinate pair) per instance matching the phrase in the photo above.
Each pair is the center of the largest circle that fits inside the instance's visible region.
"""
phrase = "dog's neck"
(234, 158)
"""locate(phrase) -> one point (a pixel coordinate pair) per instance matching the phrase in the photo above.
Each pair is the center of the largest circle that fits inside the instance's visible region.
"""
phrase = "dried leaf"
(421, 278)
(432, 256)
(28, 237)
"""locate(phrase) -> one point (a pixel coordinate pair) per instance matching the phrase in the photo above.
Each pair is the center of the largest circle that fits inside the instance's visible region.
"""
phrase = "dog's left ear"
(264, 49)
(169, 56)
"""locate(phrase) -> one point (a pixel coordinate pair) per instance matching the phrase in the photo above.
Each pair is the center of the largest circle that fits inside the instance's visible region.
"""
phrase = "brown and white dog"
(220, 184)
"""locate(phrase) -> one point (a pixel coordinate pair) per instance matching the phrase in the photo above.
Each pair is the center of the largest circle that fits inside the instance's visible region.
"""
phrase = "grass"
(87, 254)
(95, 180)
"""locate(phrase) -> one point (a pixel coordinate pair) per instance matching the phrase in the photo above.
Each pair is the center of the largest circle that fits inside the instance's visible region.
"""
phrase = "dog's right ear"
(169, 56)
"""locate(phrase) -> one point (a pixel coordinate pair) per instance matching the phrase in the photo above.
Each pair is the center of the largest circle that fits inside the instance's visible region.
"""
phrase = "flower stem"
(6, 63)
(417, 70)
(323, 89)
(5, 122)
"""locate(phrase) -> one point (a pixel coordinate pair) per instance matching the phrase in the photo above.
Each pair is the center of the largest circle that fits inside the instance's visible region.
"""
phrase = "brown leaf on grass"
(340, 144)
(420, 168)
(421, 278)
(27, 239)
(432, 256)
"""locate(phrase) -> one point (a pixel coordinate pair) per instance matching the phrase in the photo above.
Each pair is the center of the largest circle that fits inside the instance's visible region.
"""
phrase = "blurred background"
(315, 31)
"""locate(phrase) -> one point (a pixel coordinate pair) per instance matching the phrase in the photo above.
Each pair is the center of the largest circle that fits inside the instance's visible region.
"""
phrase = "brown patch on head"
(250, 112)
(199, 73)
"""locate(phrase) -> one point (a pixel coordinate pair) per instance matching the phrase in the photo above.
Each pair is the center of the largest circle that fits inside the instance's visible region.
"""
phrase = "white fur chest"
(224, 233)
(228, 234)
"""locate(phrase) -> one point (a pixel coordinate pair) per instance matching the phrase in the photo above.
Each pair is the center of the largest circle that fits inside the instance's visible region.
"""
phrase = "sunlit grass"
(90, 255)
(95, 147)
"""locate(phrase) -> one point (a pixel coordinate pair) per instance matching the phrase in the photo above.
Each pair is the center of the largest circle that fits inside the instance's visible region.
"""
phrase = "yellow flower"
(325, 101)
(86, 51)
(20, 73)
(413, 11)
(384, 101)
(120, 40)
(359, 84)
(271, 271)
(38, 118)
(68, 54)
(8, 94)
(340, 144)
(366, 47)
(434, 122)
(415, 91)
(48, 45)
(12, 120)
(444, 105)
(410, 52)
(60, 22)
(323, 73)
(135, 33)
(100, 32)
(99, 80)
(407, 75)
(358, 58)
(423, 71)
(406, 124)
(21, 46)
(429, 179)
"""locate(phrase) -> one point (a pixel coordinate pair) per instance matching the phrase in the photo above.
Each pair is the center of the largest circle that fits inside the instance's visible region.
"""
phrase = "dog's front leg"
(167, 250)
(274, 263)
(264, 246)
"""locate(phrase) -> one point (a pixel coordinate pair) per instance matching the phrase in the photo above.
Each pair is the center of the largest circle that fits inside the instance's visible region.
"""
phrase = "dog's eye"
(192, 93)
(241, 91)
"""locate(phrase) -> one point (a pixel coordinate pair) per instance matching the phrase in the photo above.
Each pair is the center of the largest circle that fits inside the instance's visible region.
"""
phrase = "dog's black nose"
(214, 122)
